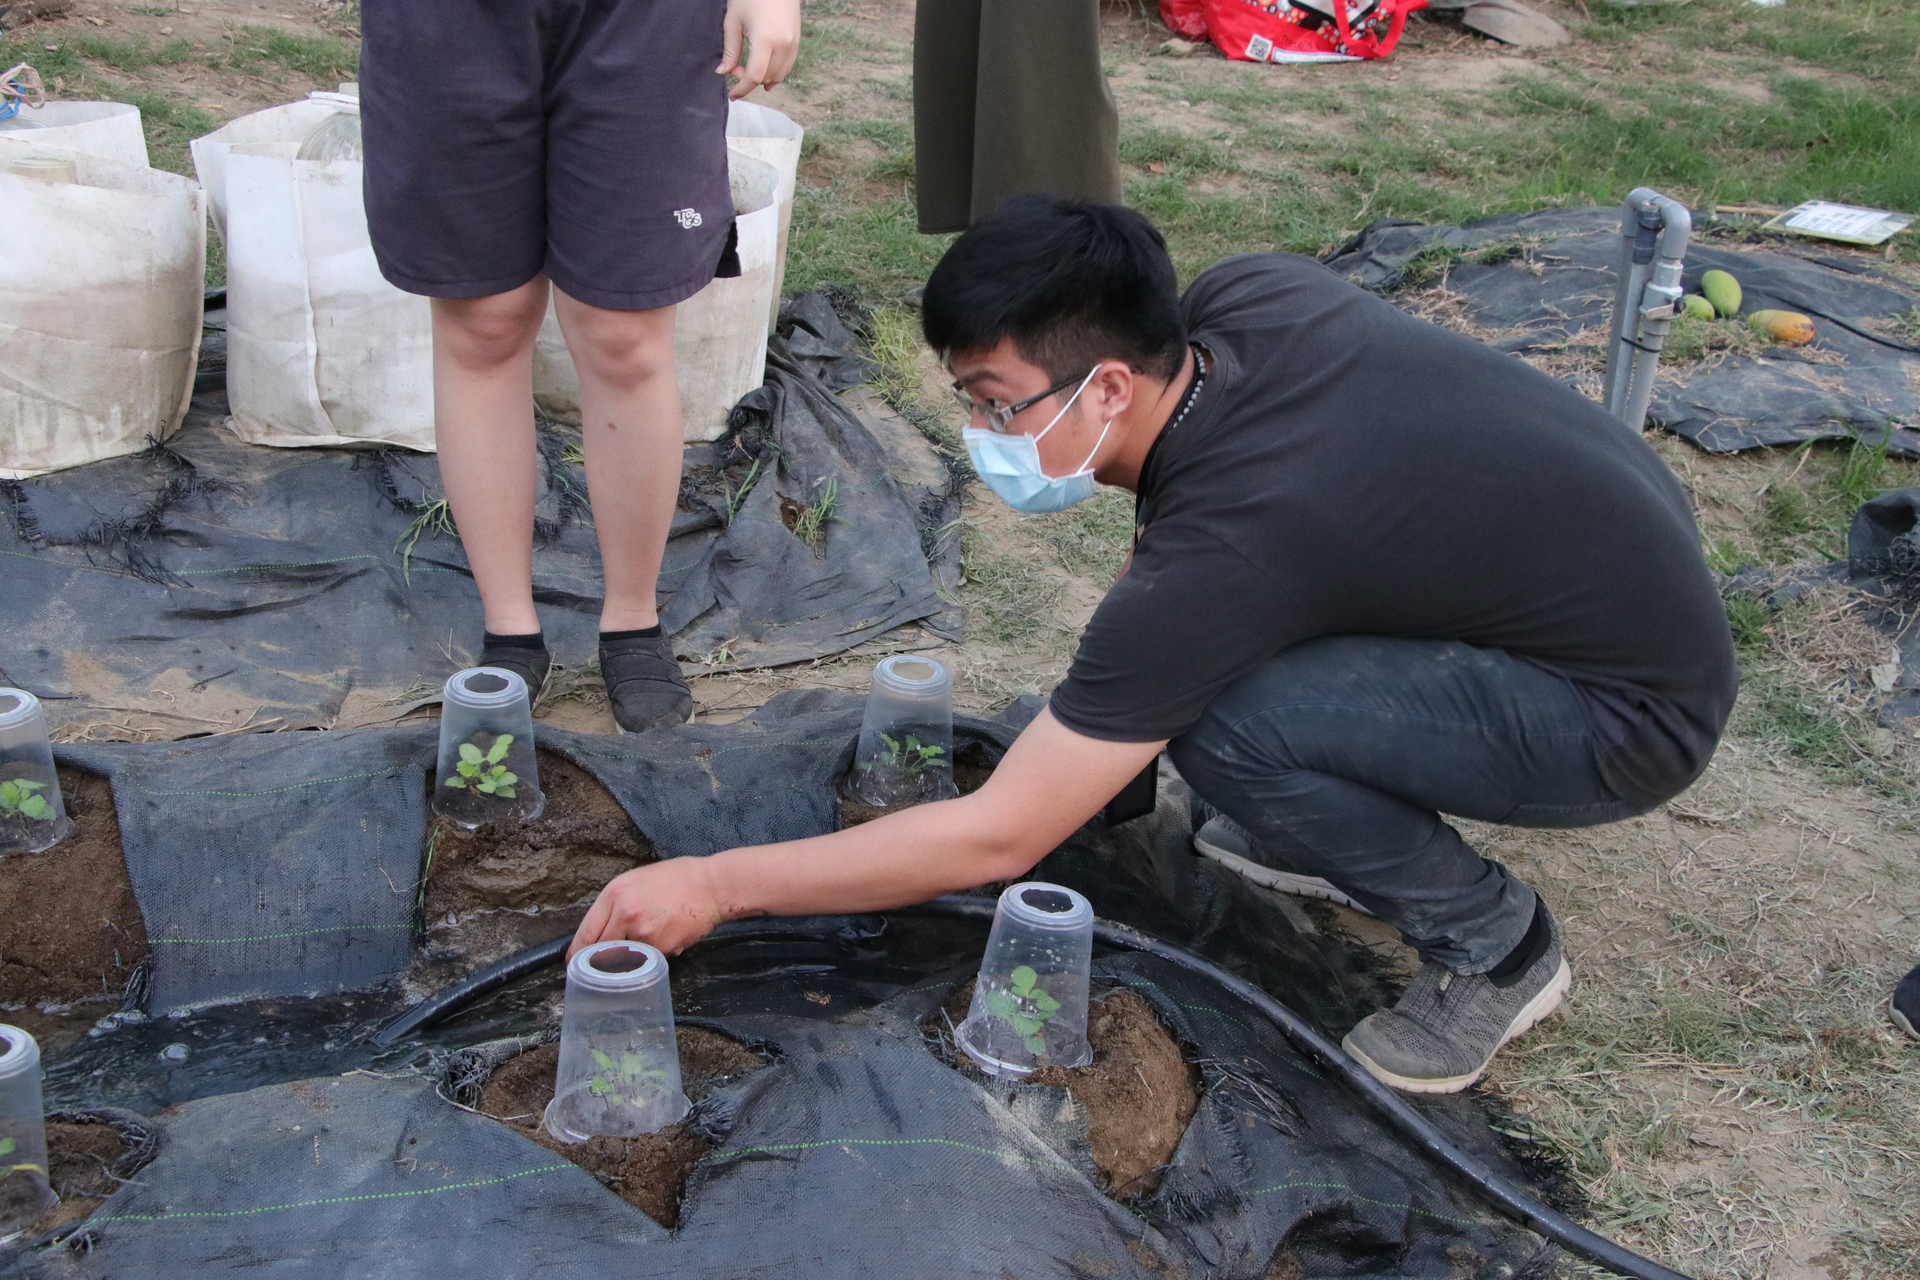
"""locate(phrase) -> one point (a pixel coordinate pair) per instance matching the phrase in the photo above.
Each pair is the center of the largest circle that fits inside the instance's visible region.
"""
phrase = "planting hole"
(9, 702)
(915, 670)
(485, 683)
(1049, 900)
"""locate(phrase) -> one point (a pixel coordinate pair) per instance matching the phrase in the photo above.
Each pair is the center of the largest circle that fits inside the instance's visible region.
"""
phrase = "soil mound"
(582, 840)
(1139, 1091)
(647, 1172)
(71, 930)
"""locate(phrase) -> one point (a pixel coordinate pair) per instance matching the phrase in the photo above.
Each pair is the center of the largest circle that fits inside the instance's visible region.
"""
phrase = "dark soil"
(563, 857)
(82, 1161)
(1139, 1091)
(647, 1172)
(470, 805)
(69, 927)
(971, 769)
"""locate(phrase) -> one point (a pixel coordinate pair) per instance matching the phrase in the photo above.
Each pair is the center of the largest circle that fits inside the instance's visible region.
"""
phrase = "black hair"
(1071, 282)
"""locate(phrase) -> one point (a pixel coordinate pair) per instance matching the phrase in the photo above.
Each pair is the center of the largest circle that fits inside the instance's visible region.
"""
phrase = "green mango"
(1698, 307)
(1723, 291)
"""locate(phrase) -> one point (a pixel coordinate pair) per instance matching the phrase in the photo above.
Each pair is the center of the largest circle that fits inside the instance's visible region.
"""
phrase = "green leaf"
(26, 786)
(10, 794)
(467, 769)
(504, 778)
(35, 807)
(930, 752)
(454, 782)
(470, 753)
(484, 786)
(913, 743)
(1036, 1044)
(604, 1061)
(1028, 1026)
(504, 792)
(1001, 1005)
(598, 1087)
(6, 1146)
(498, 751)
(1045, 1003)
(1023, 977)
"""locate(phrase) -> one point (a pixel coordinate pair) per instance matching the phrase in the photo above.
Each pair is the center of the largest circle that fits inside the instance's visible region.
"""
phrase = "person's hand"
(771, 29)
(670, 904)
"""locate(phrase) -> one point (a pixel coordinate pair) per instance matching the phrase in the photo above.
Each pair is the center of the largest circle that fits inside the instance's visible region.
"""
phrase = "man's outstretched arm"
(1051, 781)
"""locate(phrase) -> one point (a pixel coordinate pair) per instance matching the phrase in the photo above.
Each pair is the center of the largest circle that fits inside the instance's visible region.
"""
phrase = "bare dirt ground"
(1723, 1079)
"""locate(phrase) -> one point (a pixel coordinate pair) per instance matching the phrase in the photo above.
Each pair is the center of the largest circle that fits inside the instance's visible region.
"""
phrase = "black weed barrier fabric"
(1548, 279)
(231, 583)
(292, 1149)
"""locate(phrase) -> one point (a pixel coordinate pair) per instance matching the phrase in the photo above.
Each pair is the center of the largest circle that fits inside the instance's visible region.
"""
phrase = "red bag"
(1186, 18)
(1293, 30)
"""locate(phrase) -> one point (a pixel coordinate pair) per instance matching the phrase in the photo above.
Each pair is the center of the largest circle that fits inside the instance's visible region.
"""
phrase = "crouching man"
(1380, 573)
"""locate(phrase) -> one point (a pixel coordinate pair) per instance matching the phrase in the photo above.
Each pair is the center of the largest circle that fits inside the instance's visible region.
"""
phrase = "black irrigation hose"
(1498, 1191)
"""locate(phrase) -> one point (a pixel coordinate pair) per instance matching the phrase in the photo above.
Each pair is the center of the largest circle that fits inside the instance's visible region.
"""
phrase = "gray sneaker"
(1447, 1026)
(1227, 843)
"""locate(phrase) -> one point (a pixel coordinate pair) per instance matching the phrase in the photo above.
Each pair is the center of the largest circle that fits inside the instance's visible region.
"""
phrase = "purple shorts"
(585, 139)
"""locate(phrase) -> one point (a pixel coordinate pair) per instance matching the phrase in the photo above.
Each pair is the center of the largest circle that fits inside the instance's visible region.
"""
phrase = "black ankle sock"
(643, 633)
(1530, 949)
(534, 640)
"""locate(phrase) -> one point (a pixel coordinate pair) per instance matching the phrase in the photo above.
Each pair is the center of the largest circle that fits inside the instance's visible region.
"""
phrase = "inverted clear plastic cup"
(487, 770)
(619, 1072)
(905, 754)
(335, 138)
(1029, 1005)
(24, 1193)
(32, 817)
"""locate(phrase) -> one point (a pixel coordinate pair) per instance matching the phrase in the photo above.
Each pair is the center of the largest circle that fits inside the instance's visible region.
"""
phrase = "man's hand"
(669, 904)
(771, 29)
(1050, 782)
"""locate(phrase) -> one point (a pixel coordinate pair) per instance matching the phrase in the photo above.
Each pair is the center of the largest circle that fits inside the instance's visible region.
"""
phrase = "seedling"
(1025, 1007)
(21, 798)
(624, 1080)
(484, 772)
(909, 757)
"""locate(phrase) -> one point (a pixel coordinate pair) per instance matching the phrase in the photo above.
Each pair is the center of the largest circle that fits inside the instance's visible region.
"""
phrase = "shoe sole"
(689, 720)
(1530, 1015)
(1901, 1021)
(1282, 881)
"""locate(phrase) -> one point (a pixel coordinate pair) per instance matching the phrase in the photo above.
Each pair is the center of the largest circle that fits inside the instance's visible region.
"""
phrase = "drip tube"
(1498, 1191)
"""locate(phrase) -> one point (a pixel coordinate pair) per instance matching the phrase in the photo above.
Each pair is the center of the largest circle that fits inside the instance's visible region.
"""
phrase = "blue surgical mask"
(1010, 464)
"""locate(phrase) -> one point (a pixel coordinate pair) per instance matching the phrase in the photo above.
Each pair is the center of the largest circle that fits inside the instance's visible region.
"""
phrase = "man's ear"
(1111, 392)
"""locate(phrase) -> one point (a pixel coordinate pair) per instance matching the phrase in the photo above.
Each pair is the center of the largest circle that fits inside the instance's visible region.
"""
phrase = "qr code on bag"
(1258, 48)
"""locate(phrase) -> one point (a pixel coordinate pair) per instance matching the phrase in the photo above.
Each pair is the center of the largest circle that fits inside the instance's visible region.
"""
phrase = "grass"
(1008, 597)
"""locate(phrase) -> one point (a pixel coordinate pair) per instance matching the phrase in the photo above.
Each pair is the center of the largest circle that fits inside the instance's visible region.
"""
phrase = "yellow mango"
(1723, 291)
(1788, 328)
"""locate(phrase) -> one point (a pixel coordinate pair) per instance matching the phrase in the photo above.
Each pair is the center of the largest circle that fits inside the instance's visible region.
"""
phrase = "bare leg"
(483, 422)
(630, 424)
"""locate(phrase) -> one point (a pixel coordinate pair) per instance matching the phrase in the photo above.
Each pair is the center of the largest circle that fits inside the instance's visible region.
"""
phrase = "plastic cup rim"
(580, 969)
(23, 1052)
(1000, 1068)
(459, 695)
(22, 711)
(886, 676)
(1078, 917)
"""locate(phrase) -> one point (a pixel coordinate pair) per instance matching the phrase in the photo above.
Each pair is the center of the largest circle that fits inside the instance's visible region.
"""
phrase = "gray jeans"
(1339, 755)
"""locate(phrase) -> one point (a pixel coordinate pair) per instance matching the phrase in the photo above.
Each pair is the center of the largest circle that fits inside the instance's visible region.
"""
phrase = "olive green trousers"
(1008, 96)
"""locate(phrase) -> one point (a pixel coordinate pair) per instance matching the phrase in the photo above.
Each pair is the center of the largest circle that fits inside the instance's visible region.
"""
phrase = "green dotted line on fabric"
(885, 1142)
(297, 933)
(309, 1204)
(1343, 1187)
(256, 568)
(294, 786)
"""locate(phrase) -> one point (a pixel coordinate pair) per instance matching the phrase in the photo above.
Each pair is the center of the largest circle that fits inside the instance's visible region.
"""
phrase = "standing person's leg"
(640, 218)
(483, 423)
(631, 434)
(1338, 757)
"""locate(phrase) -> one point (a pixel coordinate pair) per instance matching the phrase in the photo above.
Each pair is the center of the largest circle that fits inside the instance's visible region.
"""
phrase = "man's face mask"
(1010, 464)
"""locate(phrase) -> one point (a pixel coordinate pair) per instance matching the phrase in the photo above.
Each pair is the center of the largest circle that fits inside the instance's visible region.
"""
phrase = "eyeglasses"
(999, 415)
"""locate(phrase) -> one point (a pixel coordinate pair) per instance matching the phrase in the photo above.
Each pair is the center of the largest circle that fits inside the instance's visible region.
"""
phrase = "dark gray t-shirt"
(1348, 469)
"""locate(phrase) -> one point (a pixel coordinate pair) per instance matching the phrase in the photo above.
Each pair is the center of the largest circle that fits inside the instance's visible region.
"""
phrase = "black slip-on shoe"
(1905, 1007)
(644, 683)
(531, 665)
